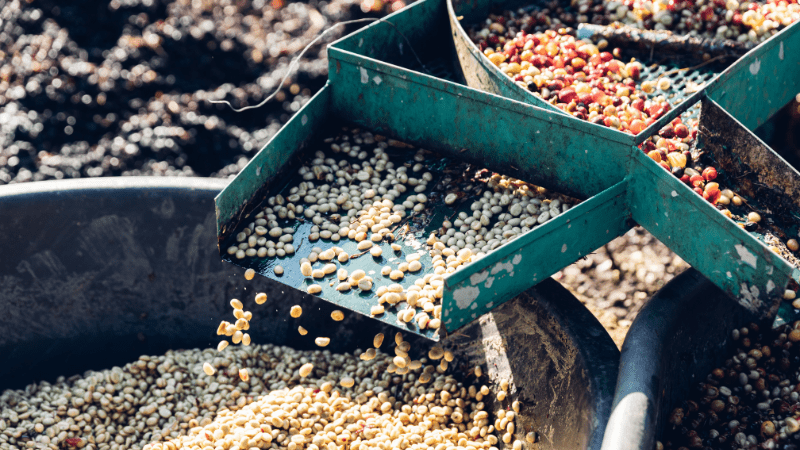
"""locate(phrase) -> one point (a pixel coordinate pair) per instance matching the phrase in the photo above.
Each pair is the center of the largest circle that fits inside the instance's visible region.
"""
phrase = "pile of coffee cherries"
(576, 76)
(586, 80)
(744, 21)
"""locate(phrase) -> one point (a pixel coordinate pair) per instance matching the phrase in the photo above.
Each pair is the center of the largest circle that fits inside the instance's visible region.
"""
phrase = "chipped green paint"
(373, 84)
(712, 243)
(763, 81)
(523, 262)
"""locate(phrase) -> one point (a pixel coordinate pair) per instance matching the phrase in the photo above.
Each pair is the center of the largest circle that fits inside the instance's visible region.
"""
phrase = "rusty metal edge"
(652, 182)
(777, 182)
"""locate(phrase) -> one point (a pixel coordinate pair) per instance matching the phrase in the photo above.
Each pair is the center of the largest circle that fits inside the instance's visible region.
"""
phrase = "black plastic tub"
(95, 273)
(679, 336)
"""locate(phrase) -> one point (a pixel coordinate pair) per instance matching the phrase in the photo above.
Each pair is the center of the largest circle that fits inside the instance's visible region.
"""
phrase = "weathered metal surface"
(520, 264)
(385, 88)
(712, 243)
(758, 171)
(291, 144)
(558, 359)
(663, 43)
(288, 146)
(524, 141)
(460, 123)
(763, 81)
(760, 175)
(241, 195)
(481, 74)
(372, 86)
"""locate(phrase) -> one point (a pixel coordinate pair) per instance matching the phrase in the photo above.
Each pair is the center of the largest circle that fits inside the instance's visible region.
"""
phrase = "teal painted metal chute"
(409, 85)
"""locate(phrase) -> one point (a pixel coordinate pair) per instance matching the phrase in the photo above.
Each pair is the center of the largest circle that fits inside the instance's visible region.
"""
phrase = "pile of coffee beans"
(122, 87)
(750, 402)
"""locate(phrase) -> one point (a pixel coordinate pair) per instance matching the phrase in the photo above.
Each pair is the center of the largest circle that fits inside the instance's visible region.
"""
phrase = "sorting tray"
(376, 62)
(538, 254)
(400, 79)
(681, 69)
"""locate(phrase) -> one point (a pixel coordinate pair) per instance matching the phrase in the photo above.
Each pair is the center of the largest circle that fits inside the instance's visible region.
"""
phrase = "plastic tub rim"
(111, 183)
(586, 333)
(673, 324)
